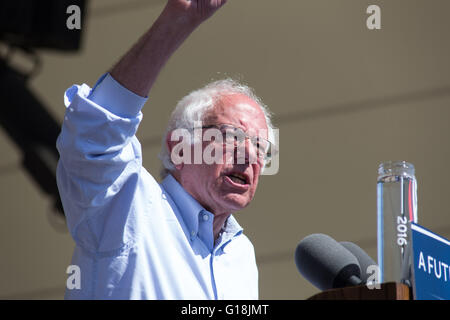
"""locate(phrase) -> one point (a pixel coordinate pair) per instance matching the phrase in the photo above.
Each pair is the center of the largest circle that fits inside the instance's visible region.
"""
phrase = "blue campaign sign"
(431, 255)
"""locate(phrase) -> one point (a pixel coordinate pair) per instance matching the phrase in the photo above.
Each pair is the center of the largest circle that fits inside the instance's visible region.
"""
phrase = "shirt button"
(205, 217)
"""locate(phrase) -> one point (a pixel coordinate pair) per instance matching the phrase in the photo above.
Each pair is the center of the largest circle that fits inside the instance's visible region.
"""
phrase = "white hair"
(193, 107)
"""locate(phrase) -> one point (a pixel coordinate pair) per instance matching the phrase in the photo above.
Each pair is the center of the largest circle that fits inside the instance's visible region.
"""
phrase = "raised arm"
(99, 170)
(139, 68)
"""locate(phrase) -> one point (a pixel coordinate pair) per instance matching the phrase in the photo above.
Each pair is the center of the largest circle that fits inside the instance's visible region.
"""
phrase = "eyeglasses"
(232, 135)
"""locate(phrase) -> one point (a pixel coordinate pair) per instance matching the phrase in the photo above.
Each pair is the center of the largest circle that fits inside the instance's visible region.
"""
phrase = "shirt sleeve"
(100, 163)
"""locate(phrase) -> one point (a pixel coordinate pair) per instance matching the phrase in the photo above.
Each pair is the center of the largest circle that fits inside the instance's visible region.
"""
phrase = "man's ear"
(173, 145)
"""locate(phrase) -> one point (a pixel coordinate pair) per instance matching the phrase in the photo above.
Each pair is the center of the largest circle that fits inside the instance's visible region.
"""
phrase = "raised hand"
(195, 11)
(140, 66)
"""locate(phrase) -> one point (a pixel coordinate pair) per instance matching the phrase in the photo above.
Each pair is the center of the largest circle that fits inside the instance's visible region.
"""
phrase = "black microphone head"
(326, 263)
(363, 258)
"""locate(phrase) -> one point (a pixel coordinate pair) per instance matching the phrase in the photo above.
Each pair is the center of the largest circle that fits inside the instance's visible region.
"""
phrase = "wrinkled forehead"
(238, 110)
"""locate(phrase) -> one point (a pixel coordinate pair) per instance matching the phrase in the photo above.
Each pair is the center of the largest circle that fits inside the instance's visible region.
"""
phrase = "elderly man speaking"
(136, 238)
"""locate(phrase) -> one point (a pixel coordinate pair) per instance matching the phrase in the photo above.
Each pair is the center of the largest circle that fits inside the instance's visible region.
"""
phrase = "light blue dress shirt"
(136, 238)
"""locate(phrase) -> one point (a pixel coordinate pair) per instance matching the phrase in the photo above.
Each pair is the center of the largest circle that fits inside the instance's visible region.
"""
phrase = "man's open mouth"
(238, 178)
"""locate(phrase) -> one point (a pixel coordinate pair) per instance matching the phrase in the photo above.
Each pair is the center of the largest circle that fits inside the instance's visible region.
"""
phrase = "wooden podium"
(387, 291)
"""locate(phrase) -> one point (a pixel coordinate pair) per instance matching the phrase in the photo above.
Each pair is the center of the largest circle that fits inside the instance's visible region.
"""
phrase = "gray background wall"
(345, 99)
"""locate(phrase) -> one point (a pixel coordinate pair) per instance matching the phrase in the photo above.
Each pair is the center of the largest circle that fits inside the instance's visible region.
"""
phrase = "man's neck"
(219, 224)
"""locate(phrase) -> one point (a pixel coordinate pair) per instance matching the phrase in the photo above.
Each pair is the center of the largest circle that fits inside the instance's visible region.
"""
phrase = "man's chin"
(235, 202)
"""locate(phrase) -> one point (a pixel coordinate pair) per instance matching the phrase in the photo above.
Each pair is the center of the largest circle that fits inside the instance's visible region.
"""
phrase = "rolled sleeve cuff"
(117, 99)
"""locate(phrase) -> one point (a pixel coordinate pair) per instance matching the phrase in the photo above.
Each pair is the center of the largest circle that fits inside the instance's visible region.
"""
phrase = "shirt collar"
(190, 208)
(232, 227)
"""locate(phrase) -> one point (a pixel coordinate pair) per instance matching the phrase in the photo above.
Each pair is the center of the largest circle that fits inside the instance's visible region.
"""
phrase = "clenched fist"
(195, 11)
(140, 66)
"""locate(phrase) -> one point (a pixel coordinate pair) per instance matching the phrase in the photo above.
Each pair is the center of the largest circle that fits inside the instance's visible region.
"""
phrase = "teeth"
(238, 178)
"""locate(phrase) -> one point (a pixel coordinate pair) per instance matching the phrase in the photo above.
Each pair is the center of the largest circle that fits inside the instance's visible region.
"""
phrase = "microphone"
(326, 263)
(363, 258)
